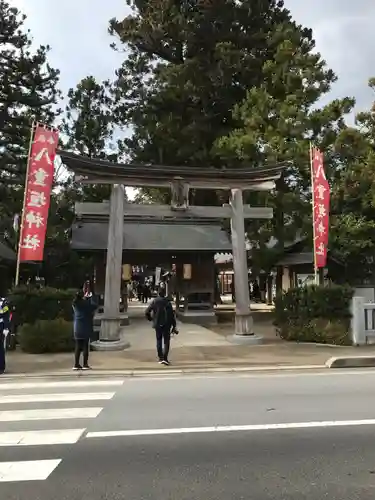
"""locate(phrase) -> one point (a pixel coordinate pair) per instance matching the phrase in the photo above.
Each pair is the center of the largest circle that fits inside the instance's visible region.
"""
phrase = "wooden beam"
(94, 170)
(166, 212)
(264, 185)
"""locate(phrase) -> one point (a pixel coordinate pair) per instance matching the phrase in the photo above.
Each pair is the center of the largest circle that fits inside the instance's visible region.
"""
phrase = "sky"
(77, 32)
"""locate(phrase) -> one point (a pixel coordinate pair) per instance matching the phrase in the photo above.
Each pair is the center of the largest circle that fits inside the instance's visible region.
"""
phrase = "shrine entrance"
(182, 246)
(109, 221)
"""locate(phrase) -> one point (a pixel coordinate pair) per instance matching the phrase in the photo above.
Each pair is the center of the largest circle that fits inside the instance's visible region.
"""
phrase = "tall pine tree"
(226, 83)
(188, 64)
(352, 234)
(279, 119)
(88, 129)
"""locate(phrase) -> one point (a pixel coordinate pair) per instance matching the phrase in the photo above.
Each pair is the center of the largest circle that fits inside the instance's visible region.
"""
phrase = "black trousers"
(163, 336)
(2, 353)
(82, 346)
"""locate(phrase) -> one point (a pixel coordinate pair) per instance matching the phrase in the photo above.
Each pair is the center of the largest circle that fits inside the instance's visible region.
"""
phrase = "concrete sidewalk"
(195, 348)
(187, 358)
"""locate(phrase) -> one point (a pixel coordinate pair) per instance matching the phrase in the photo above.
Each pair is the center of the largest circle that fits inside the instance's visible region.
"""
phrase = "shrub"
(46, 336)
(33, 304)
(315, 314)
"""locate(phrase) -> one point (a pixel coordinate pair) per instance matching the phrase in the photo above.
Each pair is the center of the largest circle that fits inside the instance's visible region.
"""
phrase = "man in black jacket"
(161, 313)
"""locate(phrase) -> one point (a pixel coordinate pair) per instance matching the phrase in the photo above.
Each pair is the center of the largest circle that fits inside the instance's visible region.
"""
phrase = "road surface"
(269, 436)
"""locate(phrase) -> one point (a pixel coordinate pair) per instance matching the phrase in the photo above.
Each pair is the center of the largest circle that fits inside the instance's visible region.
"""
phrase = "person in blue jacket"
(4, 331)
(84, 307)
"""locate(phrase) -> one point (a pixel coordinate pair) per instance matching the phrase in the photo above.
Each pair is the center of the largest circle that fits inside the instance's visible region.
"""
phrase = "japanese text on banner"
(37, 194)
(321, 199)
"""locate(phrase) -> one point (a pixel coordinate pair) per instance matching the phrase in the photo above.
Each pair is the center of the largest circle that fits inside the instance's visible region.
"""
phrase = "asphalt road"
(289, 436)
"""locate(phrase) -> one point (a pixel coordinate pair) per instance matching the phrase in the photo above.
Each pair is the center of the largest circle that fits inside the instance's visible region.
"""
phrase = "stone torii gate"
(179, 180)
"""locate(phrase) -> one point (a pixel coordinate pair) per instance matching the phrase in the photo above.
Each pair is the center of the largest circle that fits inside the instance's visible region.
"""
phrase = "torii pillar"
(110, 326)
(244, 331)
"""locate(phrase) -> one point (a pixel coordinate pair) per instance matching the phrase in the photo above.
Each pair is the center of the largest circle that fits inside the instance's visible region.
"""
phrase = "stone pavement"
(195, 347)
(186, 358)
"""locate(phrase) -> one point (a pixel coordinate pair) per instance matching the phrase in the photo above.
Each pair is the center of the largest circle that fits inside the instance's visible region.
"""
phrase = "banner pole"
(17, 278)
(316, 275)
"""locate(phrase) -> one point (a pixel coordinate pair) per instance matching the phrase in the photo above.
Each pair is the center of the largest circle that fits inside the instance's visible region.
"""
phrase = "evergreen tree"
(279, 120)
(88, 123)
(28, 92)
(352, 231)
(188, 64)
(226, 83)
(88, 128)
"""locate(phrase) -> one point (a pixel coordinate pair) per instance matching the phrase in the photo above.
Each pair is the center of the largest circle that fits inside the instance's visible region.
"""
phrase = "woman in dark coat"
(83, 317)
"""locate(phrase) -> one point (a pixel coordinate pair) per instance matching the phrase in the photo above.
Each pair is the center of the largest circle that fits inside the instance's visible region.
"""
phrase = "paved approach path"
(195, 348)
(285, 436)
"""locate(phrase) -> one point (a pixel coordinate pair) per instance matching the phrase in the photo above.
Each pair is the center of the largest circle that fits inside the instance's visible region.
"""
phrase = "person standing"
(84, 307)
(147, 291)
(4, 331)
(233, 290)
(160, 312)
(256, 291)
(140, 292)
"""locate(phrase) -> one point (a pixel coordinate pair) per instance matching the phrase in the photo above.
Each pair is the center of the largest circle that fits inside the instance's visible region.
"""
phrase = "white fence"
(363, 321)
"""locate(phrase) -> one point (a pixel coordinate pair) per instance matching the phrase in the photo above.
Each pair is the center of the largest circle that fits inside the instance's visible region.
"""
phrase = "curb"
(351, 362)
(153, 373)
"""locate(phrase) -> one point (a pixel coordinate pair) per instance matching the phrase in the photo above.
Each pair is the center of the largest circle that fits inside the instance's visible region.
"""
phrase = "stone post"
(358, 324)
(244, 331)
(111, 321)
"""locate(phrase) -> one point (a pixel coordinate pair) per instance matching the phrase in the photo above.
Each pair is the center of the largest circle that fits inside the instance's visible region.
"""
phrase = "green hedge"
(315, 314)
(34, 304)
(46, 336)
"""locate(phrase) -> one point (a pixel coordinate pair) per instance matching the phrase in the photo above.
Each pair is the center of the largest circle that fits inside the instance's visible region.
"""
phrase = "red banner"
(37, 194)
(321, 197)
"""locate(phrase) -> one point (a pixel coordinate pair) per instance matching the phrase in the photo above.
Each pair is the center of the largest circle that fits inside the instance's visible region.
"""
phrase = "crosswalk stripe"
(31, 470)
(49, 414)
(4, 386)
(44, 398)
(40, 438)
(32, 394)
